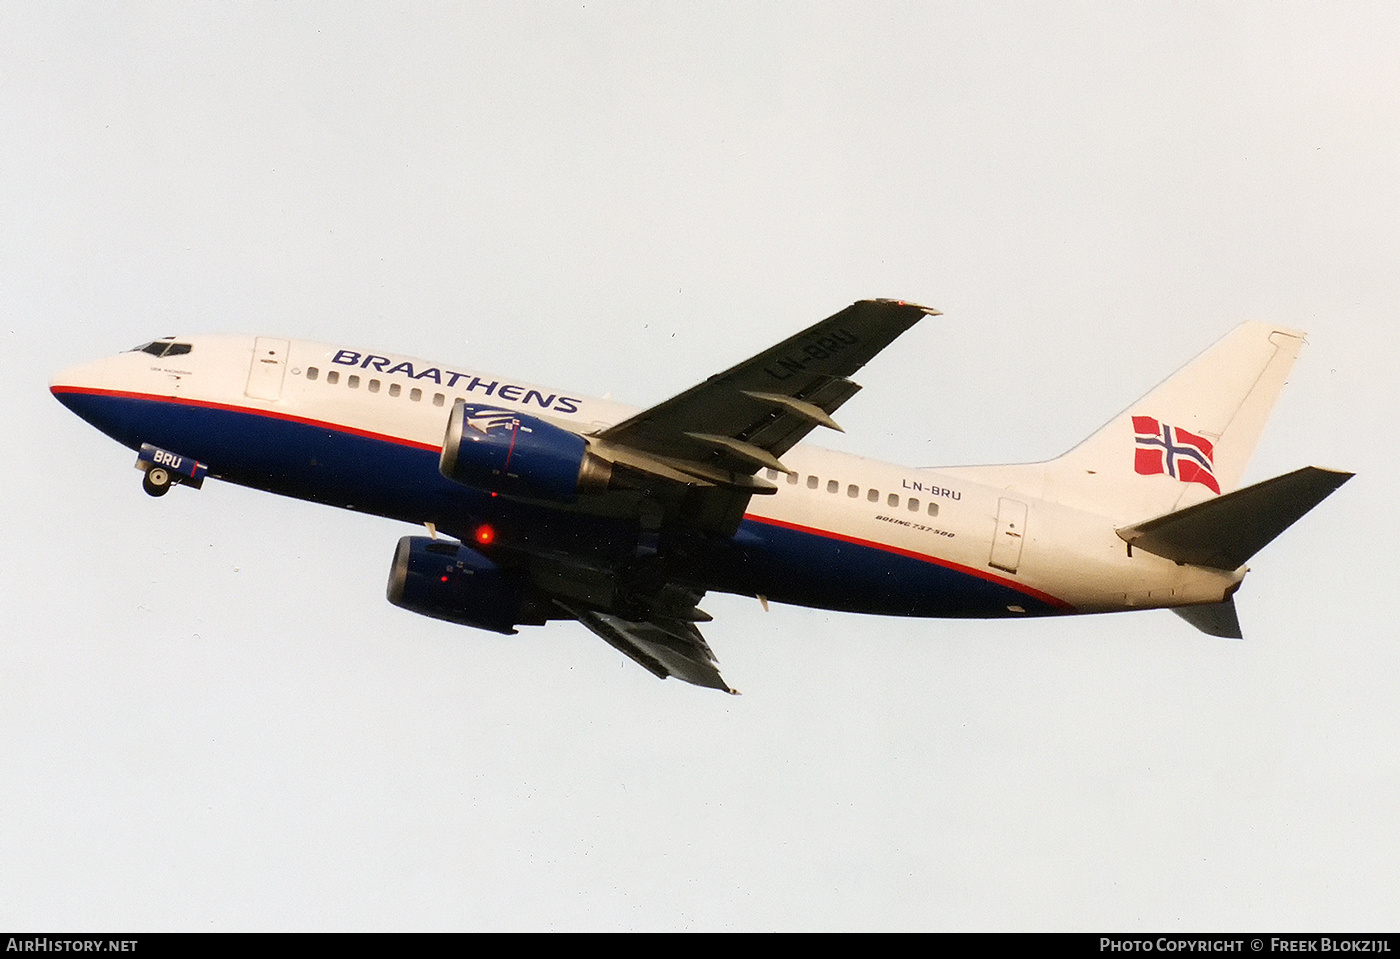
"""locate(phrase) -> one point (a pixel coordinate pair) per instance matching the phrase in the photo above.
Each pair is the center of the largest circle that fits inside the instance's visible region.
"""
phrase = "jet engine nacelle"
(446, 580)
(509, 452)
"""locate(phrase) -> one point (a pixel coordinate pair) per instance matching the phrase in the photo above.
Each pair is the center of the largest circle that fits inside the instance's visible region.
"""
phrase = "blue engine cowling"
(446, 580)
(509, 452)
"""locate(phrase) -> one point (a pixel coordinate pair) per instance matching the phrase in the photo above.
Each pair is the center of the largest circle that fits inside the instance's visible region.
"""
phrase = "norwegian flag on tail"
(1175, 452)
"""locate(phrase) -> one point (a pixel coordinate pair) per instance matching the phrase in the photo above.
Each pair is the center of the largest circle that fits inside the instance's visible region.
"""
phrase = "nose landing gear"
(162, 469)
(156, 481)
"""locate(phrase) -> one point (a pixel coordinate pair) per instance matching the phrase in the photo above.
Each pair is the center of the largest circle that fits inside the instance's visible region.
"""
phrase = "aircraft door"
(269, 366)
(1010, 535)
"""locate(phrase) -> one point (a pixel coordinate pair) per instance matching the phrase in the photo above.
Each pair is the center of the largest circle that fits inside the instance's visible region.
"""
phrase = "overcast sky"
(211, 719)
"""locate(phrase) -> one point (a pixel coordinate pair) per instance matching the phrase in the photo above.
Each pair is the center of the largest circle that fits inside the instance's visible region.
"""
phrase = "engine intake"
(509, 452)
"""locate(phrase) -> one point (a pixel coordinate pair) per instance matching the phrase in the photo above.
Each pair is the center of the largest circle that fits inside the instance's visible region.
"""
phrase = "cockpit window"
(163, 348)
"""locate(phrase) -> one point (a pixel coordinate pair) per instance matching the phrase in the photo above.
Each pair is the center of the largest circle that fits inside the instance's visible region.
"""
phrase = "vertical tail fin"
(1187, 440)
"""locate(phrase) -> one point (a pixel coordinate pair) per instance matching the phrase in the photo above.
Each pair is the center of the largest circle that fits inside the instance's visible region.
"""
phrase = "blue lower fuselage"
(399, 479)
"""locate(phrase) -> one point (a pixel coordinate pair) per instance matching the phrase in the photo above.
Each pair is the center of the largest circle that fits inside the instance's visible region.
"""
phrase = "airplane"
(542, 505)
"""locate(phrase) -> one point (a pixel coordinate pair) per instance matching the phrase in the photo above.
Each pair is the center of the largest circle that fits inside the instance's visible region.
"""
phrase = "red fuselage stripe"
(924, 557)
(234, 408)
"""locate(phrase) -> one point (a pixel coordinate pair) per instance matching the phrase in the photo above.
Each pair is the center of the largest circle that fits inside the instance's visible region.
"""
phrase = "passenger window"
(853, 491)
(893, 500)
(811, 482)
(333, 377)
(374, 386)
(312, 372)
(353, 382)
(438, 399)
(395, 389)
(415, 394)
(792, 479)
(832, 486)
(772, 474)
(913, 504)
(873, 496)
(933, 509)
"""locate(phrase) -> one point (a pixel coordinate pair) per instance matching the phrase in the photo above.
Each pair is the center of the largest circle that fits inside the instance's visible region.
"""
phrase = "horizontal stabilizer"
(1213, 619)
(1224, 532)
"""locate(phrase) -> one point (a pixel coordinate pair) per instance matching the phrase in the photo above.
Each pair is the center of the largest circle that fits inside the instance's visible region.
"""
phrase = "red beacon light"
(485, 534)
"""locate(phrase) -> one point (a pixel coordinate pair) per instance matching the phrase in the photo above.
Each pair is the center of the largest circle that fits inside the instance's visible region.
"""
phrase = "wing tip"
(926, 310)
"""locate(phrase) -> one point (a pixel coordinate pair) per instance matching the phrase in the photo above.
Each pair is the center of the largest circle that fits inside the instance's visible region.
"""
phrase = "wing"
(663, 646)
(714, 437)
(687, 472)
(752, 413)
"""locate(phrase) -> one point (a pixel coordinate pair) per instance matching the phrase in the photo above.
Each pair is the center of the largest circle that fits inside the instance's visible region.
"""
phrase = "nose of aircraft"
(88, 390)
(77, 380)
